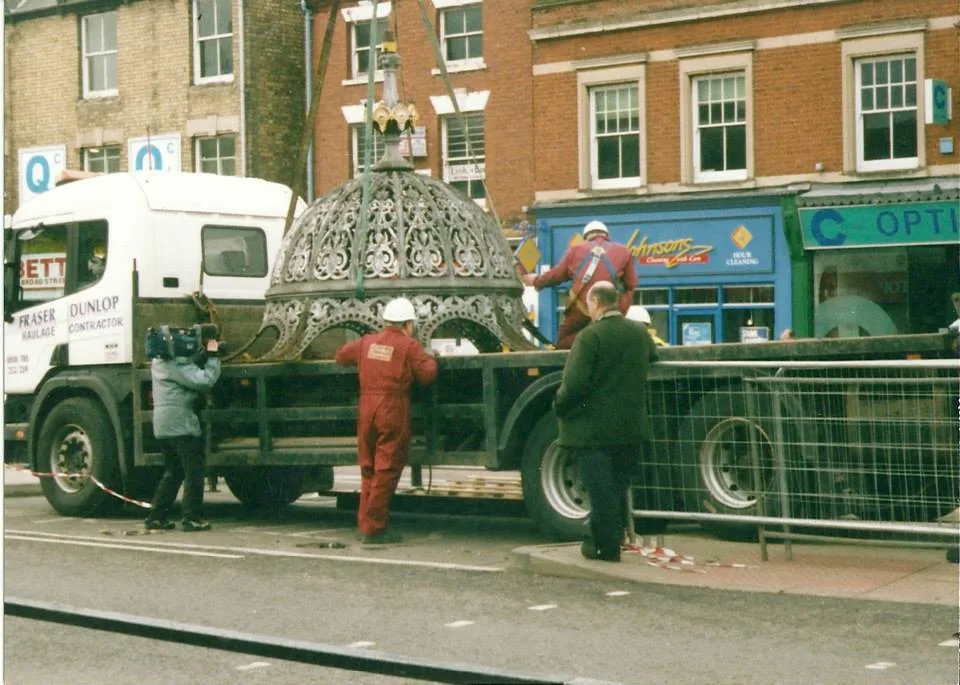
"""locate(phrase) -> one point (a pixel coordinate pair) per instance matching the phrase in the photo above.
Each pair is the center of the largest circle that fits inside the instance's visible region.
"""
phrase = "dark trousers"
(183, 460)
(606, 475)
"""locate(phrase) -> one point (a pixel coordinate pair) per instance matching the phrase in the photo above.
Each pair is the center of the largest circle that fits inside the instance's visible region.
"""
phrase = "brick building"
(488, 56)
(192, 85)
(769, 162)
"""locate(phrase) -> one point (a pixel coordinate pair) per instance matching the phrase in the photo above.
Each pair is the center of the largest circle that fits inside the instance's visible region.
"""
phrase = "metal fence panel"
(868, 443)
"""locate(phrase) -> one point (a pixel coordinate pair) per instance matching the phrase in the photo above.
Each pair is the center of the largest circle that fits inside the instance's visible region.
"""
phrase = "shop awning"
(881, 213)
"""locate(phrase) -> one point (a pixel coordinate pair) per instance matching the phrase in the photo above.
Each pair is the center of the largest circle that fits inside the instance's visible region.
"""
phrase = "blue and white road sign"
(156, 153)
(38, 169)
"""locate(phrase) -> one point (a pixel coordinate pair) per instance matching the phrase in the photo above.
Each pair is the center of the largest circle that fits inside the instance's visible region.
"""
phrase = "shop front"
(709, 272)
(885, 261)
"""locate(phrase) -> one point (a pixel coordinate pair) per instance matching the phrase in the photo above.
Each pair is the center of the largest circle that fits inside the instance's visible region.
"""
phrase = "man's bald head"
(601, 299)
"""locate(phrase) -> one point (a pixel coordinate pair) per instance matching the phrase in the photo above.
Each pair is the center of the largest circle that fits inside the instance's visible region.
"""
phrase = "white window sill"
(720, 176)
(101, 94)
(906, 164)
(700, 184)
(446, 4)
(213, 80)
(461, 66)
(362, 79)
(616, 184)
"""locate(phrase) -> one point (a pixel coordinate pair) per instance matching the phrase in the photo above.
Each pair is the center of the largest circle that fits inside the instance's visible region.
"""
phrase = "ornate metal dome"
(422, 239)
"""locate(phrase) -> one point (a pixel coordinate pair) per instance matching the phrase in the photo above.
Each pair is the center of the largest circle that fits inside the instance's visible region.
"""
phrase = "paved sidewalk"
(830, 570)
(19, 482)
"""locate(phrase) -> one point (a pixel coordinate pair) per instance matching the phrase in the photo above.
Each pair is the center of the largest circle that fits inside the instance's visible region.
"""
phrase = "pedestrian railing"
(867, 448)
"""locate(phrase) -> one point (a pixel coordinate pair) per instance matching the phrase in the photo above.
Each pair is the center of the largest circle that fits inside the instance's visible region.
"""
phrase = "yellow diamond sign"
(528, 255)
(741, 237)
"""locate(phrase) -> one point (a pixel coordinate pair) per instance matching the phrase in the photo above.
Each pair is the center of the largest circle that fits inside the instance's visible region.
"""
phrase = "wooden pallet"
(475, 487)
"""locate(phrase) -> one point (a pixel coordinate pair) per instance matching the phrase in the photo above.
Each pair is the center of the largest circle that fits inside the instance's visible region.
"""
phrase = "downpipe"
(308, 87)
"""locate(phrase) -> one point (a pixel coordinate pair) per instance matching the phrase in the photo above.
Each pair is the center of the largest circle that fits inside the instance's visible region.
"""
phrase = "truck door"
(35, 316)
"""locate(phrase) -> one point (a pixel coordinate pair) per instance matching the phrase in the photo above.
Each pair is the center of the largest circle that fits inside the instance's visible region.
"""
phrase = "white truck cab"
(69, 258)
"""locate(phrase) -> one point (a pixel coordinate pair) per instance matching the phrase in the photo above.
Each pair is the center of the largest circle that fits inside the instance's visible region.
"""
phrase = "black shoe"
(384, 537)
(193, 526)
(158, 524)
(588, 549)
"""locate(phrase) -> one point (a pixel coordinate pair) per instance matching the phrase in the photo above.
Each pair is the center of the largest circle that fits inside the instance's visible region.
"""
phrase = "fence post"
(781, 466)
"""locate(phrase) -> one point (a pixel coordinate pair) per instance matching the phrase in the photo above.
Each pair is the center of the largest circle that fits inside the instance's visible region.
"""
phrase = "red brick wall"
(508, 115)
(797, 90)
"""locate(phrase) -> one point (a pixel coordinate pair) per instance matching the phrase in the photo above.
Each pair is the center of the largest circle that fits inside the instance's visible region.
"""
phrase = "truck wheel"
(266, 486)
(718, 474)
(552, 490)
(76, 440)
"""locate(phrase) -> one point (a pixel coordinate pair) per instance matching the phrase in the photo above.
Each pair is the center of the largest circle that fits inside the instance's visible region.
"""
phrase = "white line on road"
(59, 519)
(542, 607)
(129, 548)
(617, 593)
(880, 666)
(440, 565)
(361, 644)
(458, 624)
(952, 642)
(251, 666)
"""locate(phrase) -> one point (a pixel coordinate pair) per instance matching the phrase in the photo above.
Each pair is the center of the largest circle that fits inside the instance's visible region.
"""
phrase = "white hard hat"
(595, 227)
(399, 310)
(639, 313)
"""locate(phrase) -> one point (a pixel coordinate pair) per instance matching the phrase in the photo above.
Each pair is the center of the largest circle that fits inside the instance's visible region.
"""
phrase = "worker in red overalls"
(389, 362)
(591, 261)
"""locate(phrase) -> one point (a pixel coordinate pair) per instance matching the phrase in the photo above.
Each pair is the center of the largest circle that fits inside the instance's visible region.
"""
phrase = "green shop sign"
(860, 226)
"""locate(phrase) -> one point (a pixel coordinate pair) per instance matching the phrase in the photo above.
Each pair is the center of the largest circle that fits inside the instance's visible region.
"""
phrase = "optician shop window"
(885, 291)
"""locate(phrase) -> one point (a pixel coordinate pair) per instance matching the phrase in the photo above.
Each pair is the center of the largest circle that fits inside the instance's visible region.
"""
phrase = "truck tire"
(267, 486)
(555, 496)
(717, 474)
(76, 440)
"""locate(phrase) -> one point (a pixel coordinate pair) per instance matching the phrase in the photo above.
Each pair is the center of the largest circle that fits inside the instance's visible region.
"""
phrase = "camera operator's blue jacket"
(177, 385)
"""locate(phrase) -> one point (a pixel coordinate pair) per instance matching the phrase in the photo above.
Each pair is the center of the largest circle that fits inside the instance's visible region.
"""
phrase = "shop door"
(696, 326)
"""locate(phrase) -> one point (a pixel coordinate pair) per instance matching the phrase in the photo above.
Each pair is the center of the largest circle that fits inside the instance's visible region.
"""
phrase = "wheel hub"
(728, 465)
(562, 485)
(72, 459)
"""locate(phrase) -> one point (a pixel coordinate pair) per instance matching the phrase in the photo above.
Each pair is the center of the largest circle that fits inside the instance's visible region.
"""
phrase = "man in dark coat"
(602, 410)
(389, 363)
(593, 260)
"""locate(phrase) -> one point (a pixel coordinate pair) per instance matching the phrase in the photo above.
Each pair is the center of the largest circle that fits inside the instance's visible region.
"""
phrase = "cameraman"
(177, 386)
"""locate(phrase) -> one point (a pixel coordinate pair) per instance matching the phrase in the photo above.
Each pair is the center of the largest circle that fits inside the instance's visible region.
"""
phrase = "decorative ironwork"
(420, 238)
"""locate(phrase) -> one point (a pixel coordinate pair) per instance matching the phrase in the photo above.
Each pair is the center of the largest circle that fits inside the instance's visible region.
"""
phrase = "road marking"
(251, 666)
(617, 593)
(952, 642)
(458, 624)
(361, 644)
(542, 607)
(129, 548)
(880, 666)
(59, 519)
(439, 565)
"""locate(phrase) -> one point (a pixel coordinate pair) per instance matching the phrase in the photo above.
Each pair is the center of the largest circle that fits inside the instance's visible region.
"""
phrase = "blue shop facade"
(710, 271)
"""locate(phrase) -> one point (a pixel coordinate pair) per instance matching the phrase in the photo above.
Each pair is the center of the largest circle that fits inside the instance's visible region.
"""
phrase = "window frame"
(88, 152)
(261, 272)
(599, 76)
(355, 73)
(475, 171)
(198, 165)
(468, 62)
(86, 54)
(621, 181)
(198, 78)
(356, 131)
(718, 62)
(908, 42)
(709, 176)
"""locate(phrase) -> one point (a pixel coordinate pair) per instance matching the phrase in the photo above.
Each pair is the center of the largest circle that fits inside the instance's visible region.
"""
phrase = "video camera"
(167, 342)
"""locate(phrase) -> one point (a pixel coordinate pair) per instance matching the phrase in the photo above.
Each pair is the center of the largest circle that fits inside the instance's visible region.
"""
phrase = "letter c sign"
(820, 221)
(38, 168)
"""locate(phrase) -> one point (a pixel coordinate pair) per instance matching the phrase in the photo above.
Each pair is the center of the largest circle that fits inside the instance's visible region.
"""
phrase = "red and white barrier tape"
(96, 481)
(666, 558)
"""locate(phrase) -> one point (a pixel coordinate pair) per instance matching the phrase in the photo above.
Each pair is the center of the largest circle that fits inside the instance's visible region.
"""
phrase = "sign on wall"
(937, 102)
(38, 168)
(156, 153)
(722, 246)
(860, 226)
(418, 140)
